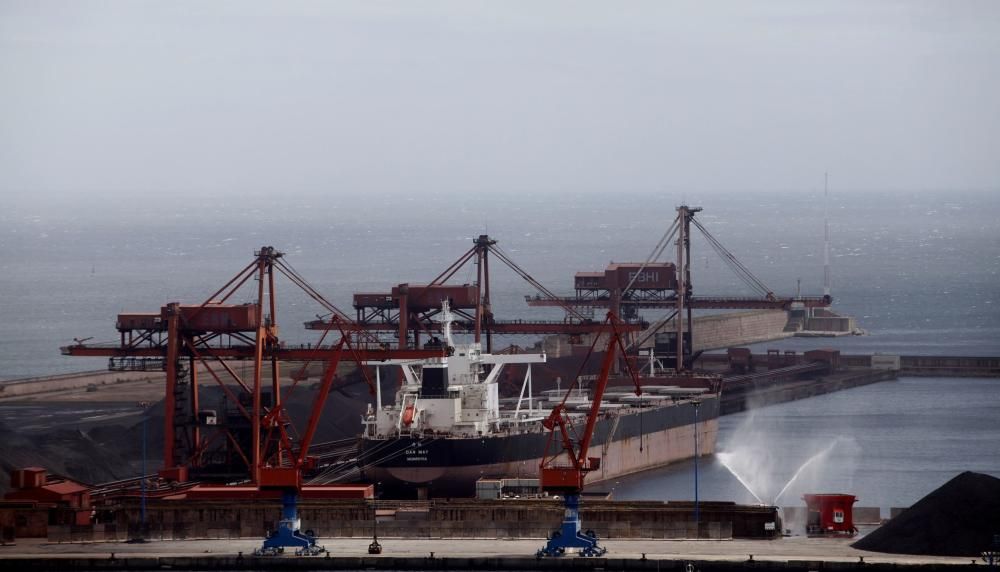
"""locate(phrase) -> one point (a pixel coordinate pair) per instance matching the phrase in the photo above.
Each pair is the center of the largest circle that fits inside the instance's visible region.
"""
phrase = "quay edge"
(427, 562)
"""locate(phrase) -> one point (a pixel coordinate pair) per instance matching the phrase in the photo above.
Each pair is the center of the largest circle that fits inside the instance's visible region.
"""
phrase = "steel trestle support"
(288, 535)
(568, 538)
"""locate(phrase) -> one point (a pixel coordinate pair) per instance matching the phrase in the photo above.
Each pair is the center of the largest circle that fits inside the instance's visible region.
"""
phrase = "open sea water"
(889, 444)
(918, 270)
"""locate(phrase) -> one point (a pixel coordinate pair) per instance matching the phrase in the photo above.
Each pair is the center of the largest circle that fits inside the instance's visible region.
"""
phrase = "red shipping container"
(655, 276)
(422, 297)
(219, 317)
(135, 321)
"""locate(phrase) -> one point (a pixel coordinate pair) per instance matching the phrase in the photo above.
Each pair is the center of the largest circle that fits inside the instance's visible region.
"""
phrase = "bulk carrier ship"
(447, 426)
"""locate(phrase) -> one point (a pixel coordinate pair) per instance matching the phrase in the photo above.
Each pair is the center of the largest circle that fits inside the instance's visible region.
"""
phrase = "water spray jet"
(726, 460)
(809, 461)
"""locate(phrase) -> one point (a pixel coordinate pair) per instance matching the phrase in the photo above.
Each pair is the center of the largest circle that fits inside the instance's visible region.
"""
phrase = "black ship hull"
(638, 440)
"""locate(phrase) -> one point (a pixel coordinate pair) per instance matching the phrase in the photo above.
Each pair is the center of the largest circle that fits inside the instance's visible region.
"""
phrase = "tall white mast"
(446, 320)
(826, 236)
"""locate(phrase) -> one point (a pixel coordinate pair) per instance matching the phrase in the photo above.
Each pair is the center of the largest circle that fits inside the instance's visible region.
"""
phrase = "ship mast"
(446, 319)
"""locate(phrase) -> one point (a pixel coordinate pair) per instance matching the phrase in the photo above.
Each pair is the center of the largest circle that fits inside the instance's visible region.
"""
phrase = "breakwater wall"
(458, 518)
(711, 332)
(739, 328)
(779, 389)
(949, 366)
(82, 380)
(735, 328)
(908, 365)
(930, 366)
(763, 394)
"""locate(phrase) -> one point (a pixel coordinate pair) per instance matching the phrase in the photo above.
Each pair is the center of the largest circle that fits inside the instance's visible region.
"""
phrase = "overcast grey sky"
(348, 97)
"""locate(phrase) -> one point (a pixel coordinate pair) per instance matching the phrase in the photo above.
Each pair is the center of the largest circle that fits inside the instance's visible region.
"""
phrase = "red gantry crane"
(625, 288)
(565, 466)
(250, 437)
(409, 309)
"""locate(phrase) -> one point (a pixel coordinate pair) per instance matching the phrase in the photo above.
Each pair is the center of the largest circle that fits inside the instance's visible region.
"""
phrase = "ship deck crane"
(563, 471)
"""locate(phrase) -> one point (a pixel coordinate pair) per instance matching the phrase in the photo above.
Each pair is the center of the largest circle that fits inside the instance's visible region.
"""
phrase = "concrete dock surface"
(790, 553)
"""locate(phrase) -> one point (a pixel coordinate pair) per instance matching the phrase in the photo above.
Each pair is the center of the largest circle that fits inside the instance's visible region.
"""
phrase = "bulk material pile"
(960, 518)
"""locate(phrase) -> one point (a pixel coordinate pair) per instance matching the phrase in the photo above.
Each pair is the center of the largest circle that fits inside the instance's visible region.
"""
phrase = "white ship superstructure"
(456, 395)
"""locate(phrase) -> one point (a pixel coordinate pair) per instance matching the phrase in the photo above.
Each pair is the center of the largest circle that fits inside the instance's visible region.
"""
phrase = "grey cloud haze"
(348, 97)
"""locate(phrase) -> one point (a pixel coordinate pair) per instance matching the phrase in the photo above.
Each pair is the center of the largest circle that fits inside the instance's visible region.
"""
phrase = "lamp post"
(144, 405)
(375, 547)
(697, 515)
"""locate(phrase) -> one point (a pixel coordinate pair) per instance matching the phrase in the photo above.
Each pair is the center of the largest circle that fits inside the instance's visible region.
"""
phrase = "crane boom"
(566, 478)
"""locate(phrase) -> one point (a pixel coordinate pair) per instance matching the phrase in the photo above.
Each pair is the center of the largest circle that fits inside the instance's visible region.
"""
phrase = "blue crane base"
(568, 539)
(288, 535)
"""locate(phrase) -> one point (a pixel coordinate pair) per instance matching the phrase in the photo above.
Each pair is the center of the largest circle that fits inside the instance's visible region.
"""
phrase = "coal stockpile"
(960, 518)
(66, 452)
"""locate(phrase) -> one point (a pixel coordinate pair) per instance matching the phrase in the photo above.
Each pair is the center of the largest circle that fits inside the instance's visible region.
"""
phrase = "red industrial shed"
(33, 484)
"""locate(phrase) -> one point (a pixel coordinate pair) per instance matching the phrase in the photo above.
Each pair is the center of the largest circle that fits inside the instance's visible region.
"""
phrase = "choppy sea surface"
(920, 272)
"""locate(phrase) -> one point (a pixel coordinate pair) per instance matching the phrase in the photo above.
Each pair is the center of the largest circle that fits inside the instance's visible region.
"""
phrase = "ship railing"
(129, 363)
(411, 504)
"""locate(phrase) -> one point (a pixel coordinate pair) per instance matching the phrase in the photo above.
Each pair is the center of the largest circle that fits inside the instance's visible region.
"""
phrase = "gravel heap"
(960, 518)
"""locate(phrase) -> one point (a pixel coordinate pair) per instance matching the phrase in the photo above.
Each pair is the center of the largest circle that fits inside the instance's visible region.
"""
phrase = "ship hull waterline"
(451, 466)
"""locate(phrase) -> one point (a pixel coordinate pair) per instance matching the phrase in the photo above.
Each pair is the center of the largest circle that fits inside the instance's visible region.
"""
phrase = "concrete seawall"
(909, 365)
(439, 519)
(740, 328)
(736, 329)
(949, 366)
(765, 393)
(935, 366)
(49, 384)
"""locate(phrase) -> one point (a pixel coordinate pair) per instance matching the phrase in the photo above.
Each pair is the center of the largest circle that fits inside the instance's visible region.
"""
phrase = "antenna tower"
(826, 236)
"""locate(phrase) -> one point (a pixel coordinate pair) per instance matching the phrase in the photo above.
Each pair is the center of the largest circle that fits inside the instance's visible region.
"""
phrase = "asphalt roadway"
(787, 549)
